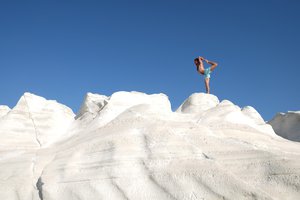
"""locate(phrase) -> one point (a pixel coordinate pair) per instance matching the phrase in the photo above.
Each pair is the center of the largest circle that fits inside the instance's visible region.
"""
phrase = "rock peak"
(198, 102)
(132, 146)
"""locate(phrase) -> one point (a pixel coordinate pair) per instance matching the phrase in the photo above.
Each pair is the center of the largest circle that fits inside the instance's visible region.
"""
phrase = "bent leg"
(213, 67)
(206, 80)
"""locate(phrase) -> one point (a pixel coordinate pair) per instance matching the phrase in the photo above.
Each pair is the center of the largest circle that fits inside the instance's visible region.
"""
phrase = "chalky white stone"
(132, 146)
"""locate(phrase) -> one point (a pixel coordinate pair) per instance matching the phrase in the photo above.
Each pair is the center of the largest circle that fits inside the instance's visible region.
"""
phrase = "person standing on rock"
(206, 72)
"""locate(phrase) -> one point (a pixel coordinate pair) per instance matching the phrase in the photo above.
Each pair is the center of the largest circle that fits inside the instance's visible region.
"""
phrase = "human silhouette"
(206, 72)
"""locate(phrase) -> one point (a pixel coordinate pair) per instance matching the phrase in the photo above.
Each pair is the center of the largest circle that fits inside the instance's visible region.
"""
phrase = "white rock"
(198, 102)
(132, 146)
(250, 112)
(122, 101)
(34, 122)
(4, 110)
(92, 104)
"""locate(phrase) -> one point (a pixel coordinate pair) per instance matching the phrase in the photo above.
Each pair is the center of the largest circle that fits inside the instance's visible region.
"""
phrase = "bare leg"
(213, 64)
(207, 85)
(213, 67)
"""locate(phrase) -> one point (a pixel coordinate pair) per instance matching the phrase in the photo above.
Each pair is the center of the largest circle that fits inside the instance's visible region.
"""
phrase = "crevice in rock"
(206, 156)
(34, 126)
(39, 183)
(39, 186)
(122, 192)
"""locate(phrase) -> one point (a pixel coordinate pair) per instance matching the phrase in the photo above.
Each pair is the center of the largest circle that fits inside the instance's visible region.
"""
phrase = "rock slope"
(287, 125)
(132, 146)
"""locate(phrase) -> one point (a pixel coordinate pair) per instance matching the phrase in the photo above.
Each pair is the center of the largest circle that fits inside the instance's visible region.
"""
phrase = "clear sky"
(62, 49)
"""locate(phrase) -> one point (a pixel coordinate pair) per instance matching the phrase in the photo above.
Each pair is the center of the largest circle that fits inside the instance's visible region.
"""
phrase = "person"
(206, 72)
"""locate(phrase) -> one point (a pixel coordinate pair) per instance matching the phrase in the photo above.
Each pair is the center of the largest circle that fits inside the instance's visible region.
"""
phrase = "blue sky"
(63, 49)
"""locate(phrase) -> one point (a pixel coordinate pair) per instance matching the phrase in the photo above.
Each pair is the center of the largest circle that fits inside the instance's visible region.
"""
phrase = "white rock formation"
(287, 125)
(4, 110)
(198, 102)
(132, 146)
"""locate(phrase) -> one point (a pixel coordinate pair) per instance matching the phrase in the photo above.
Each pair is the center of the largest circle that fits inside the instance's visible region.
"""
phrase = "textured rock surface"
(4, 110)
(132, 146)
(287, 125)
